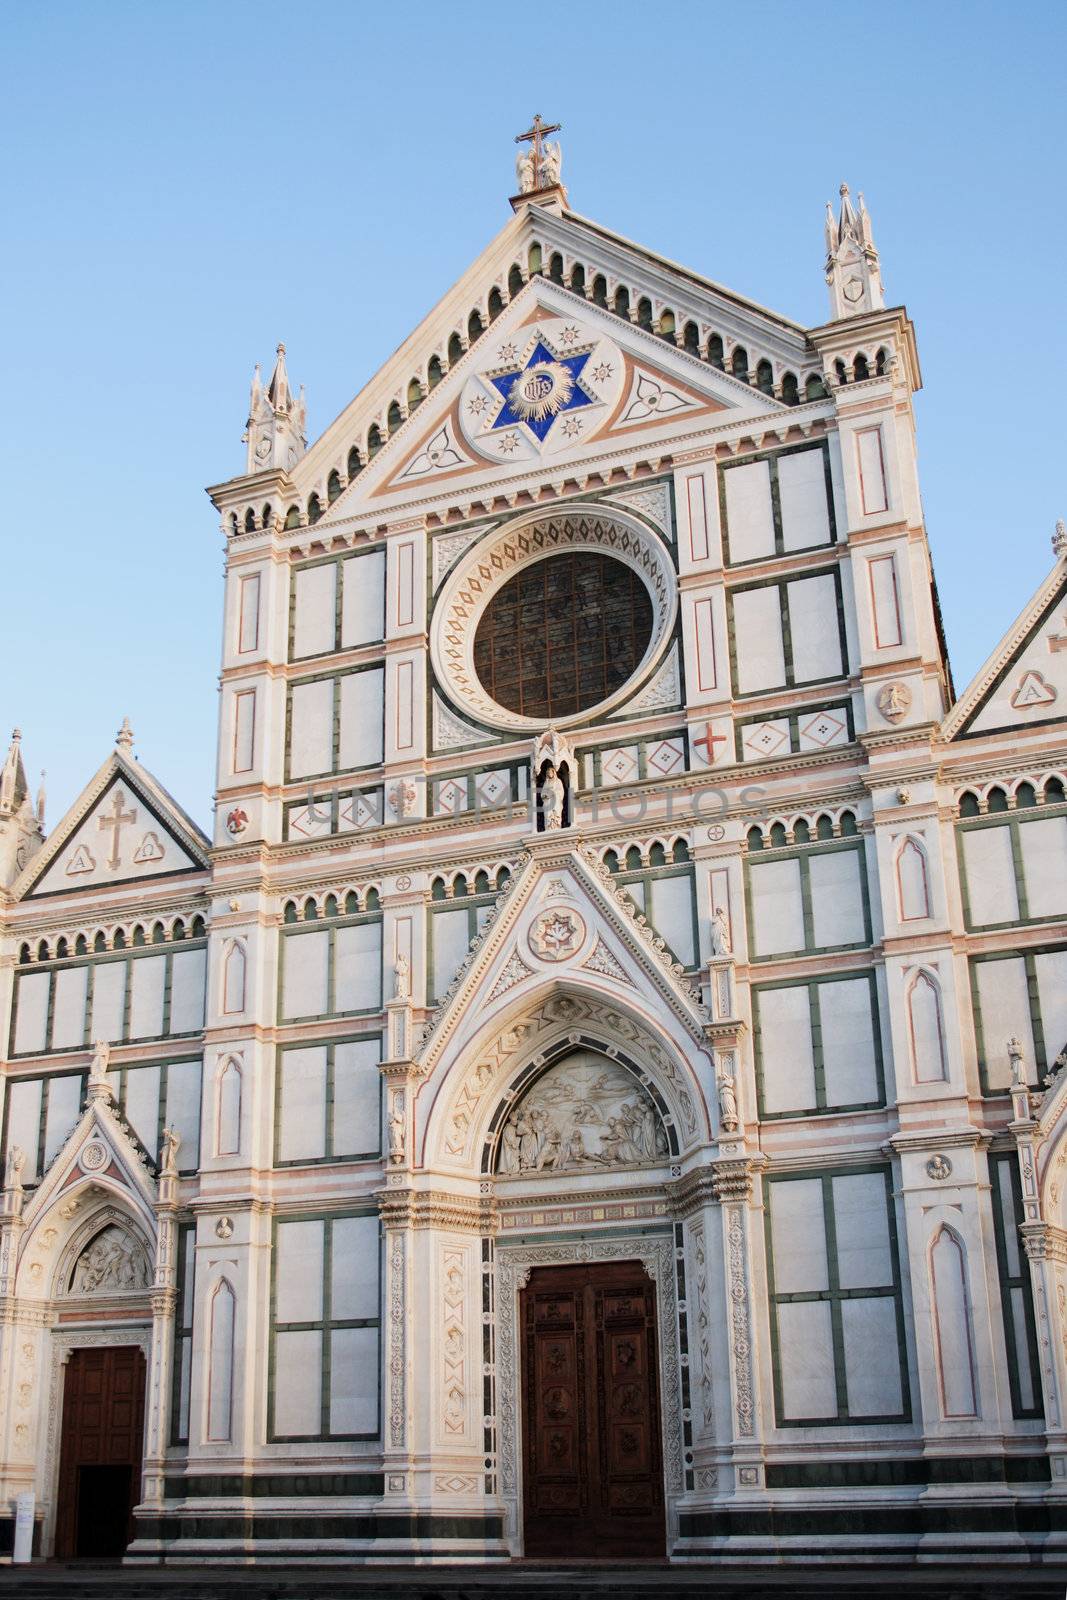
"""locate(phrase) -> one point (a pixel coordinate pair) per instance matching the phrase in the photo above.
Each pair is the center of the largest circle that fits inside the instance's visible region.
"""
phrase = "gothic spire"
(275, 433)
(13, 785)
(853, 271)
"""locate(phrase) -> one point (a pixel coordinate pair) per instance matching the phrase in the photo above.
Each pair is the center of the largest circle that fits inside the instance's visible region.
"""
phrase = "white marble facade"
(777, 1008)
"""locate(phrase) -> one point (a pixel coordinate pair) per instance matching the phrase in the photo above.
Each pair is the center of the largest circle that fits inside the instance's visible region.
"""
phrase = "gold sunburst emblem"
(540, 391)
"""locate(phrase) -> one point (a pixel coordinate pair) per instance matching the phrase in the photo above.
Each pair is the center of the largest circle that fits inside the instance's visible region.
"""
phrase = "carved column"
(395, 1205)
(733, 1187)
(161, 1352)
(1046, 1251)
(11, 1229)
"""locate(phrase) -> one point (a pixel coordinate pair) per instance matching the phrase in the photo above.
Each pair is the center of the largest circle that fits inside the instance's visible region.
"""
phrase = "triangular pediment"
(555, 382)
(101, 1149)
(562, 918)
(124, 828)
(1024, 682)
(546, 247)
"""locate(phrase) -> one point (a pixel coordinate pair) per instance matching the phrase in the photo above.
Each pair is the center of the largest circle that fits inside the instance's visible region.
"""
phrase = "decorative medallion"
(1032, 690)
(556, 934)
(546, 372)
(939, 1168)
(894, 701)
(236, 821)
(224, 1228)
(94, 1156)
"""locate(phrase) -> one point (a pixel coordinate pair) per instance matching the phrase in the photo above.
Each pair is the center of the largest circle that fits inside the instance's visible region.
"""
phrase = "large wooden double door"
(100, 1451)
(592, 1456)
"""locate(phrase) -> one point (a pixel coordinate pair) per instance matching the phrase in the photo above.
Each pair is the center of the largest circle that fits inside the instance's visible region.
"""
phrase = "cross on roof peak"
(538, 169)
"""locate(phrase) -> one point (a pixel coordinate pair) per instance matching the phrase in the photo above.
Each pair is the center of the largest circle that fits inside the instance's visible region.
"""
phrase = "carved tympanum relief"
(113, 1260)
(583, 1114)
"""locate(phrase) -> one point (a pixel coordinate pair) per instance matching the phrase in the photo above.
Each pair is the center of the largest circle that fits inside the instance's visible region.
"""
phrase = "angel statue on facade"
(16, 1160)
(171, 1145)
(720, 933)
(525, 176)
(551, 165)
(98, 1065)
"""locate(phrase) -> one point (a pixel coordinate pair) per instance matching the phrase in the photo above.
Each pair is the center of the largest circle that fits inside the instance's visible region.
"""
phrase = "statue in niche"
(401, 977)
(585, 1114)
(720, 933)
(1018, 1065)
(112, 1261)
(551, 799)
(728, 1101)
(550, 774)
(396, 1135)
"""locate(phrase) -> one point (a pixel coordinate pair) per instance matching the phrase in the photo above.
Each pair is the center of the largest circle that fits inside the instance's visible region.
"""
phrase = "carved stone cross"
(116, 822)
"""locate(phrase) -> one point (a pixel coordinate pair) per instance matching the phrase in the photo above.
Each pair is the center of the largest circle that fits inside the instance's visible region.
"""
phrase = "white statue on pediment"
(551, 165)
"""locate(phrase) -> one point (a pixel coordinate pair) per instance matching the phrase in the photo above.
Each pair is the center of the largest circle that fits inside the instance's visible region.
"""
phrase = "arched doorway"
(592, 1459)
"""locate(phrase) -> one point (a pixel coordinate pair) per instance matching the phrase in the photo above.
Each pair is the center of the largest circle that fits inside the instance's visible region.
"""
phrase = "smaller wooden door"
(100, 1451)
(592, 1459)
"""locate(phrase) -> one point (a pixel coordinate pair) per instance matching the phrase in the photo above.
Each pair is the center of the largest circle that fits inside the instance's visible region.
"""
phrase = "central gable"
(555, 379)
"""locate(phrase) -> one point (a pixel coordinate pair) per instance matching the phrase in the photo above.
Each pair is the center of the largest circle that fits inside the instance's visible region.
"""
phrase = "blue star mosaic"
(542, 390)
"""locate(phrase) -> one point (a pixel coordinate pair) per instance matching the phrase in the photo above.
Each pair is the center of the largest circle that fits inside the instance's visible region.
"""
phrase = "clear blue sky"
(189, 183)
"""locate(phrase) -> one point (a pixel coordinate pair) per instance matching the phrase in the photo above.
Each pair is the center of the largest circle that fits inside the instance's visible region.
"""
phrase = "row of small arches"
(1014, 797)
(623, 302)
(861, 367)
(462, 885)
(634, 858)
(802, 830)
(103, 940)
(340, 904)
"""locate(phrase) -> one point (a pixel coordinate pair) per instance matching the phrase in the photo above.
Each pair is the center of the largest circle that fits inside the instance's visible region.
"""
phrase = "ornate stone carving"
(604, 962)
(556, 935)
(939, 1168)
(703, 1322)
(113, 1261)
(894, 701)
(454, 1259)
(739, 1317)
(557, 1010)
(584, 1114)
(512, 972)
(397, 1300)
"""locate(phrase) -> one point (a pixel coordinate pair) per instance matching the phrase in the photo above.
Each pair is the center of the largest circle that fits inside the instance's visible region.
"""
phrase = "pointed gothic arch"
(950, 1306)
(912, 876)
(474, 1081)
(926, 1027)
(222, 1319)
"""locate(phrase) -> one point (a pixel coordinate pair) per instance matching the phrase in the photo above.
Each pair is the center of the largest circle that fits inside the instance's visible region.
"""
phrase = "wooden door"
(592, 1457)
(100, 1451)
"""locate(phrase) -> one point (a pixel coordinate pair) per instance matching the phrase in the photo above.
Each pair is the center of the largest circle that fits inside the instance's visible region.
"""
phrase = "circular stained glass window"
(563, 635)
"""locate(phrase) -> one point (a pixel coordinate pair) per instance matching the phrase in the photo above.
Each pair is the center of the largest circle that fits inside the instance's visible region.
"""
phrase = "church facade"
(598, 1089)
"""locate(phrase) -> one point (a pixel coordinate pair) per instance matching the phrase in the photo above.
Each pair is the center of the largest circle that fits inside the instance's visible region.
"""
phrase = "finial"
(16, 735)
(843, 191)
(1059, 540)
(124, 737)
(41, 800)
